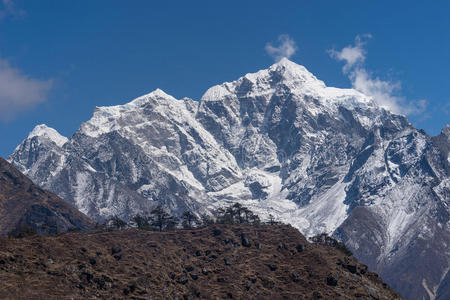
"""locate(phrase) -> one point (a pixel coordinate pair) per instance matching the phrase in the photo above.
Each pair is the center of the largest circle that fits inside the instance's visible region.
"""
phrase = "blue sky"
(59, 59)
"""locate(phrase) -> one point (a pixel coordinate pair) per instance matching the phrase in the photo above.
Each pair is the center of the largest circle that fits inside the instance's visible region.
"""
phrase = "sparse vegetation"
(326, 240)
(160, 220)
(22, 231)
(115, 223)
(221, 261)
(189, 220)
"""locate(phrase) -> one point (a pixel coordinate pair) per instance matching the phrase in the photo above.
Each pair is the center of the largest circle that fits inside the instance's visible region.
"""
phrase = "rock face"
(280, 142)
(166, 265)
(25, 205)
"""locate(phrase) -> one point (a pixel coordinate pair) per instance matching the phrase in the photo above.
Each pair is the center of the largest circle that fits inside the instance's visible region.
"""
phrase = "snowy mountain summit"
(49, 133)
(280, 142)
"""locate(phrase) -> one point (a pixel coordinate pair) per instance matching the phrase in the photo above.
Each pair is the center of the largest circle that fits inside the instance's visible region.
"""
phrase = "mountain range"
(280, 142)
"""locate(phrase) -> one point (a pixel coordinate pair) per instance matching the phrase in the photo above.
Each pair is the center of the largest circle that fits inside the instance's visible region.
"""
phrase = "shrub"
(326, 240)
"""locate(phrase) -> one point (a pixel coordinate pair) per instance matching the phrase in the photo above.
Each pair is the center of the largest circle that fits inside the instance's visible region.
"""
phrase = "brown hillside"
(25, 205)
(215, 262)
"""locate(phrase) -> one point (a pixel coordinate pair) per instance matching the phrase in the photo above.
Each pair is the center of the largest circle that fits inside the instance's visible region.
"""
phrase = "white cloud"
(352, 55)
(9, 8)
(385, 93)
(19, 92)
(286, 48)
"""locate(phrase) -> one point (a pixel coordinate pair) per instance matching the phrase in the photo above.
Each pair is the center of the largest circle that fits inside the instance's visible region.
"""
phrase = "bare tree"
(141, 222)
(272, 220)
(206, 220)
(160, 219)
(116, 223)
(238, 209)
(188, 219)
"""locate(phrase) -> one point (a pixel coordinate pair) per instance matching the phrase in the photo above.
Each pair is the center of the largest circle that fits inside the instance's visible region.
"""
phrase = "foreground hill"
(25, 206)
(215, 262)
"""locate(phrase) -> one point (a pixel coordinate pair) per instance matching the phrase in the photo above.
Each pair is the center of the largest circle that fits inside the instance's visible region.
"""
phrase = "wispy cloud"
(286, 48)
(9, 8)
(19, 92)
(384, 92)
(352, 55)
(446, 108)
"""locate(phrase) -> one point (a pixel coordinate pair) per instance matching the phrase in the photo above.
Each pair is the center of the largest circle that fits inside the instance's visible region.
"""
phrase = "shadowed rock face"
(278, 141)
(215, 262)
(25, 205)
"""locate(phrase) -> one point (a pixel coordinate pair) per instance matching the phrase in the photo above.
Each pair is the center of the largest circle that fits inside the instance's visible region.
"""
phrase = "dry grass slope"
(214, 262)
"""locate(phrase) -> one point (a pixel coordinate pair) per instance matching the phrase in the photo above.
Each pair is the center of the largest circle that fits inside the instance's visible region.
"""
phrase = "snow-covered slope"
(280, 142)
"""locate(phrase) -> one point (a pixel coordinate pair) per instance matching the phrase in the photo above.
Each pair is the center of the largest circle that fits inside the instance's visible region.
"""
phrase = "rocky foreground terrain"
(214, 262)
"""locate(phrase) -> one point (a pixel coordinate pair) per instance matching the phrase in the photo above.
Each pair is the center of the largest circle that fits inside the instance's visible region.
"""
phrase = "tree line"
(160, 220)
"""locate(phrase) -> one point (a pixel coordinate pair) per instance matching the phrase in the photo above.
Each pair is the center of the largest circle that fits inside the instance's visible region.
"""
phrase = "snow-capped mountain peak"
(155, 95)
(43, 130)
(109, 118)
(284, 73)
(292, 71)
(287, 77)
(280, 142)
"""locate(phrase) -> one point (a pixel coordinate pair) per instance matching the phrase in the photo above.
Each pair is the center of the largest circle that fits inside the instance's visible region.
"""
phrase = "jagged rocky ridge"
(279, 141)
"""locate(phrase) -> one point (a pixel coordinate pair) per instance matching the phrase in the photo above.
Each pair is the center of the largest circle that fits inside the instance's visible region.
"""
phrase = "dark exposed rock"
(332, 280)
(245, 240)
(281, 246)
(115, 250)
(295, 277)
(183, 280)
(228, 241)
(189, 268)
(351, 268)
